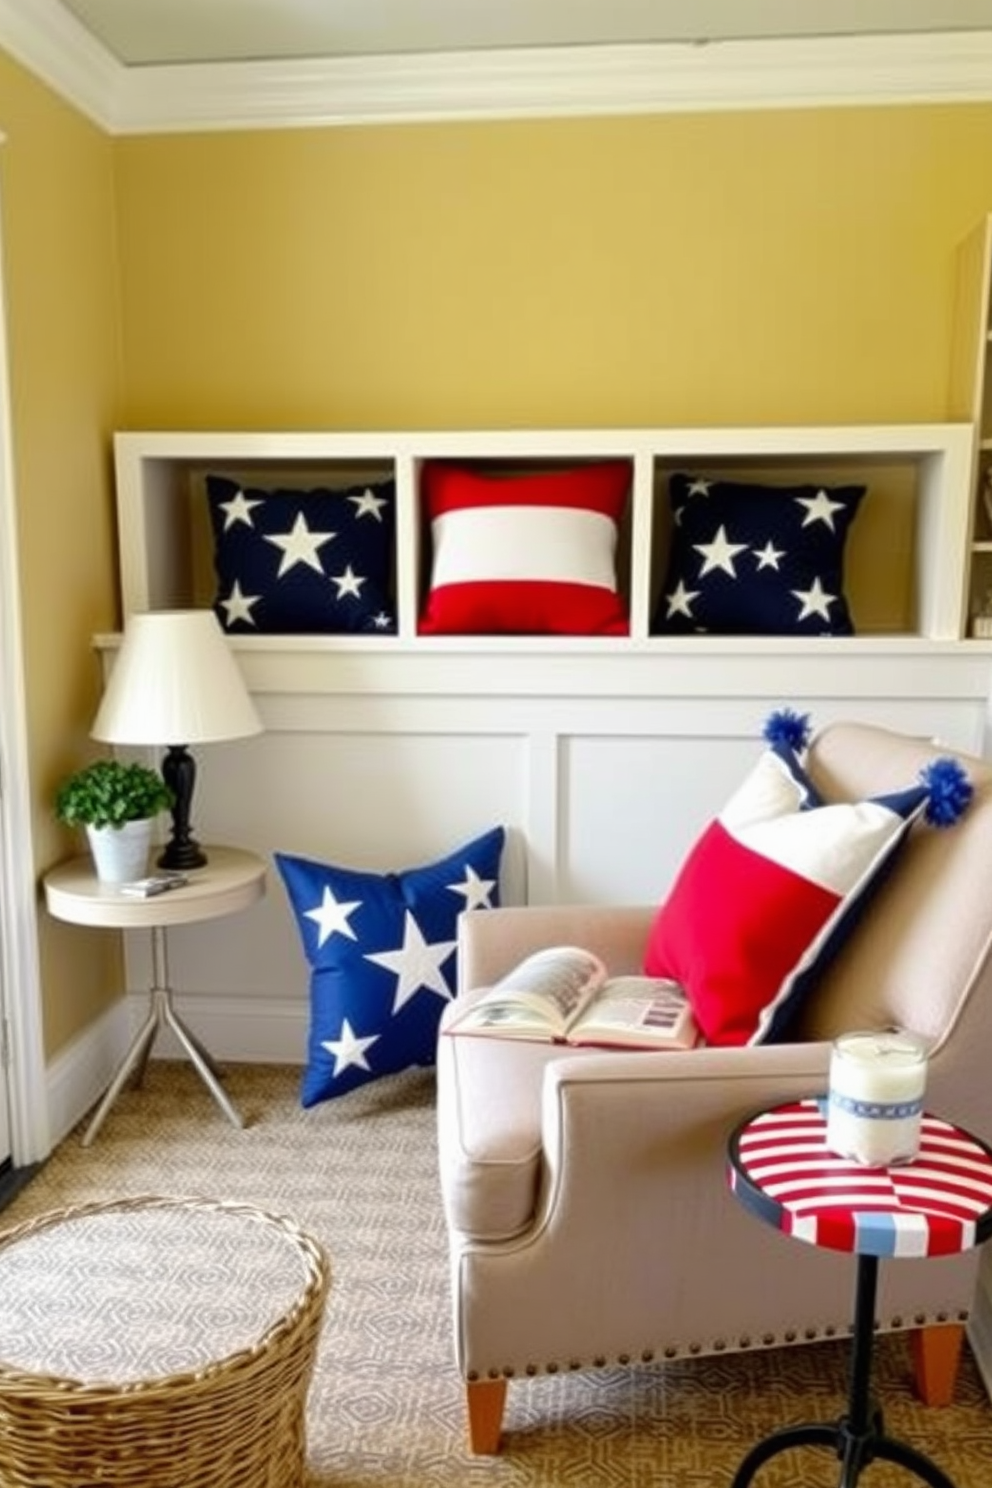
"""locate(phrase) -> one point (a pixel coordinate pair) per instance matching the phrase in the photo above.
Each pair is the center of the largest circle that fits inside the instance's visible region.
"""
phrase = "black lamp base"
(181, 856)
(182, 852)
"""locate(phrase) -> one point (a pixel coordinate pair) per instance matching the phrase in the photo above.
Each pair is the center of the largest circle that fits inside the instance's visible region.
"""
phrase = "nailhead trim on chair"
(716, 1346)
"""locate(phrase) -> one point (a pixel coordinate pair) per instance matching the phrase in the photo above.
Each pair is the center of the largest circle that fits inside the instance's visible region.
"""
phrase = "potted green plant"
(117, 804)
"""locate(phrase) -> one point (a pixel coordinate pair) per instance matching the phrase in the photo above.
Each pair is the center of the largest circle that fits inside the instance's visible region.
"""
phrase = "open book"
(565, 995)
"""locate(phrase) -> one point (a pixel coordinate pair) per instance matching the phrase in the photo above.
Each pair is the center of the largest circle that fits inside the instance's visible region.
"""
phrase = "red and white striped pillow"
(527, 553)
(778, 882)
(767, 893)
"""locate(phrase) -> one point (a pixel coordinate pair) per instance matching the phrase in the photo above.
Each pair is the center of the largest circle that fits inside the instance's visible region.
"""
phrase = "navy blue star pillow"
(748, 559)
(314, 562)
(381, 949)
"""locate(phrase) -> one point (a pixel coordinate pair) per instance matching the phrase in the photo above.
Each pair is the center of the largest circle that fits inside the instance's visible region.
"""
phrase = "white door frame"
(20, 977)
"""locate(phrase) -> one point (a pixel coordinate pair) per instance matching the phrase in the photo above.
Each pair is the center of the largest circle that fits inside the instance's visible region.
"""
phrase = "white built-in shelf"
(907, 556)
(603, 756)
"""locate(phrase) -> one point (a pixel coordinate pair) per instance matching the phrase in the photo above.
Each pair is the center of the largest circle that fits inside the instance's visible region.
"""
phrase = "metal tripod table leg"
(162, 1014)
(135, 1058)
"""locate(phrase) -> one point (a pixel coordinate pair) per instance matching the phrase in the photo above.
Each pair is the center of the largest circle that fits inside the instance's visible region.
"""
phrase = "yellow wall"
(60, 273)
(758, 267)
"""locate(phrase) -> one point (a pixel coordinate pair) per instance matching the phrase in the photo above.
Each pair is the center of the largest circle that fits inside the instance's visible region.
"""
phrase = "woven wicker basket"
(234, 1422)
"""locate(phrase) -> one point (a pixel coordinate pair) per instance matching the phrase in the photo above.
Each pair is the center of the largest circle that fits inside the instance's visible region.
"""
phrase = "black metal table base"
(854, 1449)
(858, 1437)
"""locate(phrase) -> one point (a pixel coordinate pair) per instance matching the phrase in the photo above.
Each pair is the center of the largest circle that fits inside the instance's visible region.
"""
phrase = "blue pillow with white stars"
(381, 949)
(749, 559)
(311, 562)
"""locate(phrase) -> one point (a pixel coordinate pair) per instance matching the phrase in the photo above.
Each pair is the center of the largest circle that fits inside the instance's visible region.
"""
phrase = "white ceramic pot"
(121, 853)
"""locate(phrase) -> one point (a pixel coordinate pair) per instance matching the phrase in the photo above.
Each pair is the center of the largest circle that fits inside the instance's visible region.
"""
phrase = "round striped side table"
(941, 1203)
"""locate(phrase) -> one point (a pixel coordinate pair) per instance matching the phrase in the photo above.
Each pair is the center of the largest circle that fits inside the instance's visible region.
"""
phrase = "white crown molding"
(48, 40)
(948, 67)
(544, 82)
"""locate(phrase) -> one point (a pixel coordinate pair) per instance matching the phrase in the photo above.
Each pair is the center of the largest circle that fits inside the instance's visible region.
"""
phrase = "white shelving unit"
(907, 554)
(971, 399)
(603, 756)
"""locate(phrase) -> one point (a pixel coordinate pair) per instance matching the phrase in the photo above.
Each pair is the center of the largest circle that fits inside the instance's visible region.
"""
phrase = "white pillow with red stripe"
(527, 554)
(776, 883)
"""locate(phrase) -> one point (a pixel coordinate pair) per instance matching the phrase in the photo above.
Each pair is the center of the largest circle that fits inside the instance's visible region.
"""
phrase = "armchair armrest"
(631, 1234)
(634, 1148)
(622, 1100)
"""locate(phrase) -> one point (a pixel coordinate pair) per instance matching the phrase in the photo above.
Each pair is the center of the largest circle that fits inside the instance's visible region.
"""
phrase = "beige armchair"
(589, 1216)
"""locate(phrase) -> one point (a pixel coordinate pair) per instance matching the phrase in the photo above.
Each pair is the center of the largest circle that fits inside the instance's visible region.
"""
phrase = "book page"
(559, 978)
(538, 998)
(638, 1011)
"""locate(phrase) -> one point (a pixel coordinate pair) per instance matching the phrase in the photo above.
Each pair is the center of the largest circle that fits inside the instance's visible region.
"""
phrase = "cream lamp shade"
(175, 682)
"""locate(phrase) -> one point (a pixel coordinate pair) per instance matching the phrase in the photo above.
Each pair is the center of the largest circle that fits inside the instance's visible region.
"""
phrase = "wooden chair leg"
(936, 1355)
(485, 1400)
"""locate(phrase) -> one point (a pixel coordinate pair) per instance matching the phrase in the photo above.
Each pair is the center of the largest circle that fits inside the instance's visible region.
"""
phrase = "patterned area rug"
(386, 1404)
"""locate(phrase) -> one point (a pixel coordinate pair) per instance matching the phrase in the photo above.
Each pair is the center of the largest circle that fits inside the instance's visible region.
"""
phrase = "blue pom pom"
(789, 728)
(950, 791)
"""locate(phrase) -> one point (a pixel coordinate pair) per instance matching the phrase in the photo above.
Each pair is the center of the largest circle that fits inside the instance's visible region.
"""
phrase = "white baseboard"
(81, 1072)
(240, 1030)
(980, 1322)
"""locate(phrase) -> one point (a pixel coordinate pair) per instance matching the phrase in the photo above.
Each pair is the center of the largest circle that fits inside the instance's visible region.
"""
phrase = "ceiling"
(146, 66)
(140, 33)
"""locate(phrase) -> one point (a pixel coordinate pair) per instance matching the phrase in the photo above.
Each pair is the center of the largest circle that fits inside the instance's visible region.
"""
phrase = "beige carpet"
(386, 1404)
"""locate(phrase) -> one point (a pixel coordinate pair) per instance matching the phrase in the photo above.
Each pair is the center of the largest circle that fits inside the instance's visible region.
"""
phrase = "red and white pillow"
(526, 554)
(776, 883)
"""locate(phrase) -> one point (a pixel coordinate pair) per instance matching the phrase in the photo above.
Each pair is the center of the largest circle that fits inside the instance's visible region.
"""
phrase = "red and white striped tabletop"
(940, 1203)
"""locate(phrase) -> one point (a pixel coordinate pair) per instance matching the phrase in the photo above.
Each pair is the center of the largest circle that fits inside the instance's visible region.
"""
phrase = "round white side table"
(231, 880)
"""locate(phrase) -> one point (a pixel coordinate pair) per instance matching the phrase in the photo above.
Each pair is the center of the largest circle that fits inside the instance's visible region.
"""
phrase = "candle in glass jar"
(877, 1082)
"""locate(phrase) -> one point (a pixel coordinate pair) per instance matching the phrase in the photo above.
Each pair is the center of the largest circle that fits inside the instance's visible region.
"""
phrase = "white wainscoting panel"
(603, 776)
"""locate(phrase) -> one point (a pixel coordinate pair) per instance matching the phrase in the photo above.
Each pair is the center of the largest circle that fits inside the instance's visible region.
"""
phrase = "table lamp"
(175, 678)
